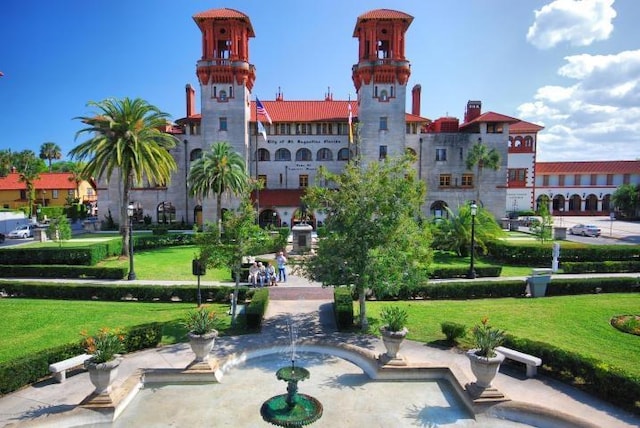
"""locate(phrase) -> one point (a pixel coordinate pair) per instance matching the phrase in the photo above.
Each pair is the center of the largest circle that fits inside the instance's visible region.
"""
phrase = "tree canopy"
(50, 151)
(481, 157)
(375, 236)
(626, 198)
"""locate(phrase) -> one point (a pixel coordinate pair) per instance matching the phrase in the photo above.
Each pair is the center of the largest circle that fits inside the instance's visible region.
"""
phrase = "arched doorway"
(606, 203)
(269, 219)
(303, 216)
(543, 200)
(439, 209)
(591, 204)
(197, 215)
(558, 204)
(166, 213)
(574, 203)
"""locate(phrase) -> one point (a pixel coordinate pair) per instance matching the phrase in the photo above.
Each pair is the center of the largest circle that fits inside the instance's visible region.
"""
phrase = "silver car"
(585, 230)
(22, 231)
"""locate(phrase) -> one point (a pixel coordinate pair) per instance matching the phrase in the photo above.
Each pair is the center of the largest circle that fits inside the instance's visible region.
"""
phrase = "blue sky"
(572, 66)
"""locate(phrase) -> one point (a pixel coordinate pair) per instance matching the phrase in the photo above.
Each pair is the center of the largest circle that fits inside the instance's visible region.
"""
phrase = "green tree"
(59, 229)
(453, 233)
(5, 162)
(126, 141)
(480, 157)
(241, 237)
(28, 167)
(543, 229)
(216, 172)
(375, 238)
(50, 151)
(626, 198)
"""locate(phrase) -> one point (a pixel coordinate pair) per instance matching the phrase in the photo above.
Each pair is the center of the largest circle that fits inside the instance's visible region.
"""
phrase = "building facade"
(300, 136)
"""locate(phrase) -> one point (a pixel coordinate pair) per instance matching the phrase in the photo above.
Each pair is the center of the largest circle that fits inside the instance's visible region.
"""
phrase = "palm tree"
(218, 171)
(28, 176)
(127, 140)
(50, 151)
(480, 157)
(76, 170)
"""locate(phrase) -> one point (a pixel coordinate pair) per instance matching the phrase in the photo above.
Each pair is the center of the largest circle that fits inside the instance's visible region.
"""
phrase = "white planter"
(102, 375)
(484, 369)
(392, 341)
(202, 344)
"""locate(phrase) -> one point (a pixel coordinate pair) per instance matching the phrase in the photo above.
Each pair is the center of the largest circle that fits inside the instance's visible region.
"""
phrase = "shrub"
(104, 345)
(394, 317)
(343, 308)
(453, 331)
(201, 322)
(486, 338)
(256, 309)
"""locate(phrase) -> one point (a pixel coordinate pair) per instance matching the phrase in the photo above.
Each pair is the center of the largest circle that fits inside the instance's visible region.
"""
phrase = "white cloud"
(596, 117)
(578, 22)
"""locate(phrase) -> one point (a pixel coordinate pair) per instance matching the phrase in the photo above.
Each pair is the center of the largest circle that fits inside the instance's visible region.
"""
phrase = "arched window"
(528, 141)
(304, 155)
(195, 154)
(166, 213)
(383, 95)
(438, 209)
(264, 155)
(223, 95)
(324, 155)
(343, 154)
(283, 155)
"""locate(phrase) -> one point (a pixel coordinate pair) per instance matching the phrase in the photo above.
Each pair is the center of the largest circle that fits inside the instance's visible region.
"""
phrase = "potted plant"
(485, 361)
(105, 348)
(202, 332)
(393, 331)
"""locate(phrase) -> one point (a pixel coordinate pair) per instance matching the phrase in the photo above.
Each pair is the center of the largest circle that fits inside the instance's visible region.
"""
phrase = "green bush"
(61, 271)
(22, 371)
(601, 267)
(462, 272)
(343, 308)
(257, 307)
(453, 331)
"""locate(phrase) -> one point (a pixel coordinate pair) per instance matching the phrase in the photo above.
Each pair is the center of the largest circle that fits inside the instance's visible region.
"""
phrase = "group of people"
(265, 274)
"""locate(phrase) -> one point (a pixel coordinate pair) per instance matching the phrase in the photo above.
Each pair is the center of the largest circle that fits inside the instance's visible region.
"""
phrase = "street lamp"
(474, 211)
(132, 274)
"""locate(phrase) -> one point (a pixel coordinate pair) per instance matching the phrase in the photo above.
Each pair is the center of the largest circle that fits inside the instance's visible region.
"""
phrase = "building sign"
(304, 142)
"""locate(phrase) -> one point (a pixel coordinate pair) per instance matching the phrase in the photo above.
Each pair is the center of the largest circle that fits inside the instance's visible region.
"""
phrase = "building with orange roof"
(302, 135)
(51, 189)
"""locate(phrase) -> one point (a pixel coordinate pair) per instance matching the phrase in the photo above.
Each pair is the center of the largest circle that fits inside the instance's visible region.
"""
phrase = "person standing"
(281, 260)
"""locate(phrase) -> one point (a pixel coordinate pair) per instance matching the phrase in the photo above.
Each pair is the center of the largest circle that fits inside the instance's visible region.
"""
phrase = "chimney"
(474, 109)
(415, 102)
(191, 100)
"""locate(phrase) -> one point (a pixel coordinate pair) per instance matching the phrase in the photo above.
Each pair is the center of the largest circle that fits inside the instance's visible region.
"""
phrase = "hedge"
(119, 292)
(257, 307)
(343, 308)
(86, 255)
(15, 374)
(604, 267)
(62, 271)
(463, 271)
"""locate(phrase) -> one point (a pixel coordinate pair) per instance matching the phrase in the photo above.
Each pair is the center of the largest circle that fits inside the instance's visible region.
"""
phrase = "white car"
(585, 230)
(23, 231)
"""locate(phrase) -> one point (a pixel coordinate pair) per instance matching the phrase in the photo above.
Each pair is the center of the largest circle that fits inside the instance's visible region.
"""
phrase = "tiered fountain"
(291, 409)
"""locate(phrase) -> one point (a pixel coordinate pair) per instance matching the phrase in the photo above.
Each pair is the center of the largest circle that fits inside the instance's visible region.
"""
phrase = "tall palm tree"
(50, 151)
(126, 140)
(217, 171)
(28, 176)
(480, 157)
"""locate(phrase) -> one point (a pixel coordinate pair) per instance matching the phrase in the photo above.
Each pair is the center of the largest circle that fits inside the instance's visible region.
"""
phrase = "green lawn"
(31, 325)
(576, 323)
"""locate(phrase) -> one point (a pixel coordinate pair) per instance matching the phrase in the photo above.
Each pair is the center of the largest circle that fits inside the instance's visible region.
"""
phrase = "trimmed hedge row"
(541, 255)
(110, 292)
(257, 307)
(343, 308)
(462, 272)
(605, 267)
(595, 377)
(23, 371)
(62, 271)
(86, 255)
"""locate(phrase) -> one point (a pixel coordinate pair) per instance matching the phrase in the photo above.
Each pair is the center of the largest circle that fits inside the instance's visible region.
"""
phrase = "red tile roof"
(47, 181)
(523, 127)
(491, 117)
(279, 197)
(595, 167)
(385, 14)
(223, 13)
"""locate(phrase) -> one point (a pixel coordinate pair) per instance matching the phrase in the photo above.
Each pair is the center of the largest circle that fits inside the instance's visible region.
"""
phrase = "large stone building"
(300, 136)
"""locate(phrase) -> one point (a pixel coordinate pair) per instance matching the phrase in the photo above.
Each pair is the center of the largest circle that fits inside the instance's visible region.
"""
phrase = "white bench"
(60, 368)
(531, 361)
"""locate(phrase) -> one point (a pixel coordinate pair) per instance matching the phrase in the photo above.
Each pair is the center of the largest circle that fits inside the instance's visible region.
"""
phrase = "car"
(2, 237)
(22, 231)
(585, 230)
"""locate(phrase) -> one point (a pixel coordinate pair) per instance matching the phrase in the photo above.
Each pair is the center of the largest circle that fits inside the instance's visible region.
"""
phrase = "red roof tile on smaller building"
(588, 167)
(47, 181)
(523, 127)
(385, 14)
(491, 117)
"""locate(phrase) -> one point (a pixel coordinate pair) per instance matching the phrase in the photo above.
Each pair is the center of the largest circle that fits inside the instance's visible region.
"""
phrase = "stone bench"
(531, 361)
(60, 368)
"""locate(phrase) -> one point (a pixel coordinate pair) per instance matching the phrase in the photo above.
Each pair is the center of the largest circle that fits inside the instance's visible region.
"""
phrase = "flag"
(350, 122)
(263, 111)
(262, 130)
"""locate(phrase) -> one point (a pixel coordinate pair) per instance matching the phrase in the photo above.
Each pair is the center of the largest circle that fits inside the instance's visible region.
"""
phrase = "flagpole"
(257, 177)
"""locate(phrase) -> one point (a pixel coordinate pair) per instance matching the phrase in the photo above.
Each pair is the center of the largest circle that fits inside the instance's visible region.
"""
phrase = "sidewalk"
(314, 319)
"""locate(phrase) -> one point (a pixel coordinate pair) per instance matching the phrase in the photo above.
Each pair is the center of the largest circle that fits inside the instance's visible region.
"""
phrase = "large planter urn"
(202, 344)
(392, 341)
(102, 375)
(484, 369)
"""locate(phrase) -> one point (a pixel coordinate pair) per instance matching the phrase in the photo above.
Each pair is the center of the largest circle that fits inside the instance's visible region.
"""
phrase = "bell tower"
(226, 77)
(380, 78)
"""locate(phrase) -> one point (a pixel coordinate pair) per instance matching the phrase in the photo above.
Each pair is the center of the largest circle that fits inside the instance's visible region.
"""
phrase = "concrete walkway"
(309, 307)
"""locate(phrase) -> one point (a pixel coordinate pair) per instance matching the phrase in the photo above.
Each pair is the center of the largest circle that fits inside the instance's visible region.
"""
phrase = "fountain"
(291, 409)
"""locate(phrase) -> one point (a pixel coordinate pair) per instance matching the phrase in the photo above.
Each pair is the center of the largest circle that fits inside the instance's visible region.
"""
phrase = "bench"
(531, 361)
(60, 368)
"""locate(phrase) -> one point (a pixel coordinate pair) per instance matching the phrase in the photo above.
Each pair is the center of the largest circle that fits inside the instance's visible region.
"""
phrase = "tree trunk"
(124, 219)
(219, 212)
(364, 323)
(234, 303)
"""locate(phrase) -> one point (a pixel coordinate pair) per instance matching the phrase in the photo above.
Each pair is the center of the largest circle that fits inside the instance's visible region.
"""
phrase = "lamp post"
(474, 211)
(132, 274)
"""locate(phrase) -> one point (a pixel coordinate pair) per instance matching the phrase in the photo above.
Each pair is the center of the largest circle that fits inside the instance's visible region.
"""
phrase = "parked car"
(585, 230)
(529, 221)
(22, 231)
(1, 237)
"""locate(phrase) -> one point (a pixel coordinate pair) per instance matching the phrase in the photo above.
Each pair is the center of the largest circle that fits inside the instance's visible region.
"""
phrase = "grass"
(30, 325)
(578, 324)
